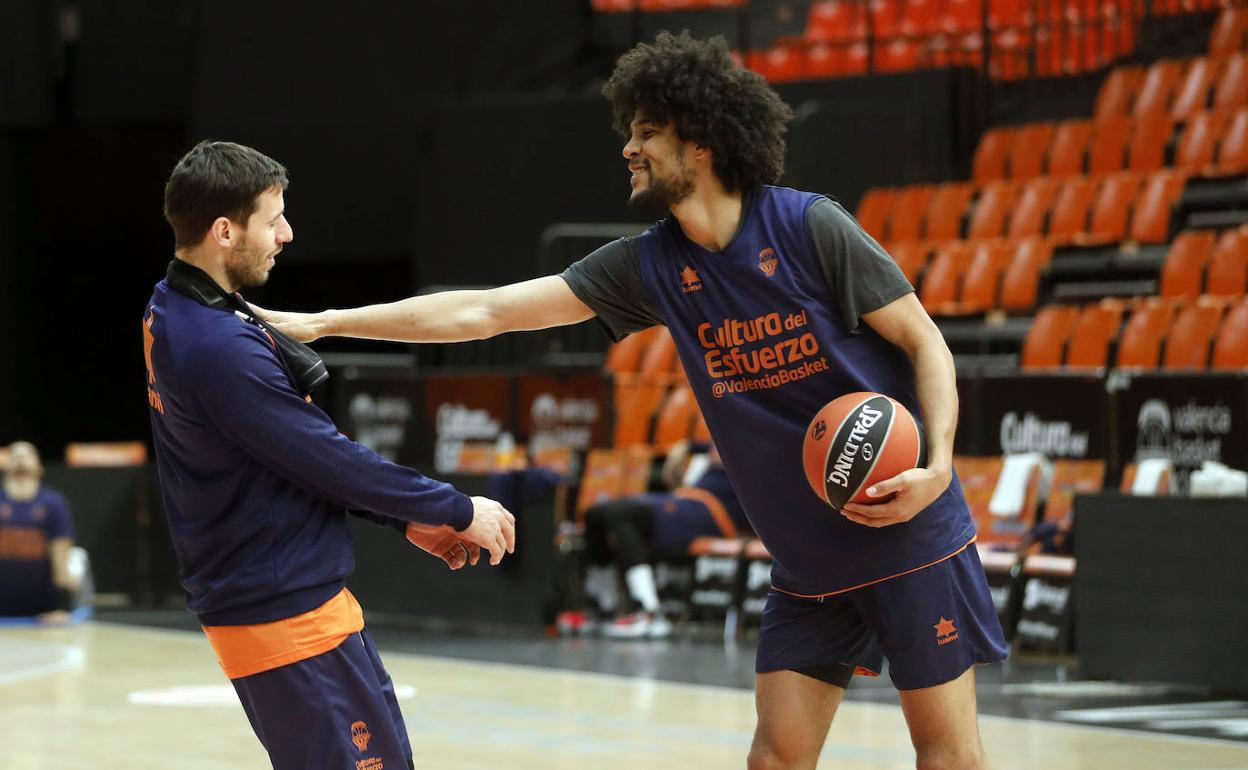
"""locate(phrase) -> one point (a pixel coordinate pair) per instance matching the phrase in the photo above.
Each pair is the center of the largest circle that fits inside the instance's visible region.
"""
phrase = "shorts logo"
(945, 631)
(360, 735)
(767, 261)
(689, 280)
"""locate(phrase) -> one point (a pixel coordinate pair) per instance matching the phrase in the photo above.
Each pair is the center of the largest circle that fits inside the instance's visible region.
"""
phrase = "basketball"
(855, 441)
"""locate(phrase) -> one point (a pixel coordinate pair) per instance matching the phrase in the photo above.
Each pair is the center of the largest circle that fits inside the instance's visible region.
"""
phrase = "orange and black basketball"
(855, 441)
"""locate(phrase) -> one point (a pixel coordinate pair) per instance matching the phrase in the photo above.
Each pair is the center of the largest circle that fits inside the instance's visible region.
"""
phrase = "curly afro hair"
(713, 101)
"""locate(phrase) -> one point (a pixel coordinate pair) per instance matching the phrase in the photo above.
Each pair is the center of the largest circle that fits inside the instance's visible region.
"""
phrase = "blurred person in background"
(36, 535)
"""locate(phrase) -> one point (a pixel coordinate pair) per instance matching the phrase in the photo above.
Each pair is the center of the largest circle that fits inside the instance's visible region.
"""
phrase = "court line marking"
(723, 689)
(70, 657)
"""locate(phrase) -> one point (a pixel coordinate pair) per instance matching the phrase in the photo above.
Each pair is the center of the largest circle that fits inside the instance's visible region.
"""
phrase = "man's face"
(267, 231)
(661, 177)
(23, 462)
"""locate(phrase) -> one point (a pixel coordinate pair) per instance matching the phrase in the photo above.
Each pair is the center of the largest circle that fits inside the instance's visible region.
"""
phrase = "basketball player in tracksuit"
(778, 303)
(257, 482)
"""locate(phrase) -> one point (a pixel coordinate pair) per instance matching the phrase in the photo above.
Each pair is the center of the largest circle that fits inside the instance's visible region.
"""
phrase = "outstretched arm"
(449, 316)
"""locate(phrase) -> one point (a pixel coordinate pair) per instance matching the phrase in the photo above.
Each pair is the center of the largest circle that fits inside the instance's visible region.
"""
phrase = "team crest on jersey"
(767, 261)
(360, 735)
(689, 280)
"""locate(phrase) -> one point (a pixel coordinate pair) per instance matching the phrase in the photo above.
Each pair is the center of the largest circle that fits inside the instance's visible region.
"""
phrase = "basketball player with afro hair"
(899, 579)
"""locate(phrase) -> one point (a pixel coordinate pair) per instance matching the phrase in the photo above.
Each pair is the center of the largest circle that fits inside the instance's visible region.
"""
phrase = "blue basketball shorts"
(336, 711)
(931, 624)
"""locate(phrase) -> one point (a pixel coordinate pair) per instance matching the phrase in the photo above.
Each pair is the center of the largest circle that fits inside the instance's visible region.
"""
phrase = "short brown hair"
(217, 179)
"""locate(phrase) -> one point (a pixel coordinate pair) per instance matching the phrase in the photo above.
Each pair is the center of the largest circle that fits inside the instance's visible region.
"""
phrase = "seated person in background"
(623, 533)
(36, 534)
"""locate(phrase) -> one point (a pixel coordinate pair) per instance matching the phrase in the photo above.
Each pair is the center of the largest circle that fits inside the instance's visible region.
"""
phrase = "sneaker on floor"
(576, 623)
(638, 625)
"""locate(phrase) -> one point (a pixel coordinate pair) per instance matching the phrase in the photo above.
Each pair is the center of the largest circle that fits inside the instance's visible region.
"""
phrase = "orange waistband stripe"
(718, 512)
(246, 650)
(881, 580)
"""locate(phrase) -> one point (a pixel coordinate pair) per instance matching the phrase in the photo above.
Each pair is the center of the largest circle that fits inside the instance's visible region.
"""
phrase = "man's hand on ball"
(914, 490)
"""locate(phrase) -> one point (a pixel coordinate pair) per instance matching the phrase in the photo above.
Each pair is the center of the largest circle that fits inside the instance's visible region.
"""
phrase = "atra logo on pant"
(360, 735)
(945, 631)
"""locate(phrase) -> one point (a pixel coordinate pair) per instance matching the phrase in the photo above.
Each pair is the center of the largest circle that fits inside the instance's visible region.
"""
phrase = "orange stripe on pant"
(246, 650)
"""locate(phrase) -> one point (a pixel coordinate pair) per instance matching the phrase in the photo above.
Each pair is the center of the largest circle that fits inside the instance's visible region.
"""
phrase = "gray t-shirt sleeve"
(861, 275)
(609, 282)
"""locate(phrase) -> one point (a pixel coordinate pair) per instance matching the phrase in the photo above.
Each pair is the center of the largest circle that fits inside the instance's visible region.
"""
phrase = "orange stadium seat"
(1070, 147)
(636, 403)
(1071, 208)
(1232, 156)
(1199, 140)
(1032, 209)
(1112, 209)
(1192, 95)
(1021, 280)
(978, 477)
(1232, 89)
(1148, 142)
(897, 55)
(624, 357)
(940, 283)
(1230, 347)
(990, 154)
(944, 212)
(910, 256)
(1228, 33)
(1108, 150)
(1184, 269)
(1095, 331)
(824, 61)
(854, 61)
(1009, 14)
(873, 211)
(1046, 339)
(612, 473)
(1151, 221)
(835, 21)
(658, 363)
(885, 21)
(994, 205)
(1228, 266)
(1187, 345)
(1157, 90)
(920, 18)
(905, 221)
(983, 276)
(676, 418)
(1117, 93)
(1071, 477)
(701, 432)
(1029, 150)
(1140, 344)
(962, 16)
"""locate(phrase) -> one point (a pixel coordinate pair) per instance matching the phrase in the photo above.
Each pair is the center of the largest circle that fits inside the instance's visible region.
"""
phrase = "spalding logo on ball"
(857, 440)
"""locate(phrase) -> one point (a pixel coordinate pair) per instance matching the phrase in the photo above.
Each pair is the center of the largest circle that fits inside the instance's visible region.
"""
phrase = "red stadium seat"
(1070, 147)
(1190, 338)
(1230, 347)
(1112, 209)
(1009, 14)
(905, 222)
(1117, 93)
(897, 55)
(1227, 35)
(1071, 209)
(1151, 221)
(910, 256)
(885, 21)
(944, 213)
(1192, 95)
(1046, 339)
(1140, 344)
(836, 21)
(1232, 155)
(1184, 269)
(983, 276)
(873, 211)
(1228, 265)
(1232, 89)
(962, 16)
(1032, 208)
(920, 18)
(1148, 142)
(1095, 330)
(995, 203)
(1108, 150)
(1029, 150)
(1021, 279)
(1199, 140)
(1157, 90)
(990, 154)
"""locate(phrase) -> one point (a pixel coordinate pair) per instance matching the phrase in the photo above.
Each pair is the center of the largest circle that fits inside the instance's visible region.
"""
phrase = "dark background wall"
(428, 144)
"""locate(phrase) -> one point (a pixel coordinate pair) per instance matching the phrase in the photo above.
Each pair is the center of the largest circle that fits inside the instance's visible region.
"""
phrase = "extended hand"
(304, 327)
(443, 542)
(915, 489)
(493, 528)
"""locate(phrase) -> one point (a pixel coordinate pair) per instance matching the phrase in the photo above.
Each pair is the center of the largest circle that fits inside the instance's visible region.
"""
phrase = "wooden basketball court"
(110, 696)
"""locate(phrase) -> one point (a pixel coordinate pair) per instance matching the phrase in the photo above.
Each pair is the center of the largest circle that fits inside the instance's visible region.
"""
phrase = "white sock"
(600, 586)
(641, 585)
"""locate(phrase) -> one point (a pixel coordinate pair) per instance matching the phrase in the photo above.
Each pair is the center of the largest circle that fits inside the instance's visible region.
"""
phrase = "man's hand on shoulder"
(305, 327)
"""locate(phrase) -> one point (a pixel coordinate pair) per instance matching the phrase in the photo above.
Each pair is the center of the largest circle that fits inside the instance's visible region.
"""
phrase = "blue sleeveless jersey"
(761, 337)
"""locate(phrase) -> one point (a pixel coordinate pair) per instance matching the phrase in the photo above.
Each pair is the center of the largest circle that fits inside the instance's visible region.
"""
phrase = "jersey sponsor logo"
(759, 353)
(945, 631)
(689, 280)
(360, 736)
(149, 340)
(767, 261)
